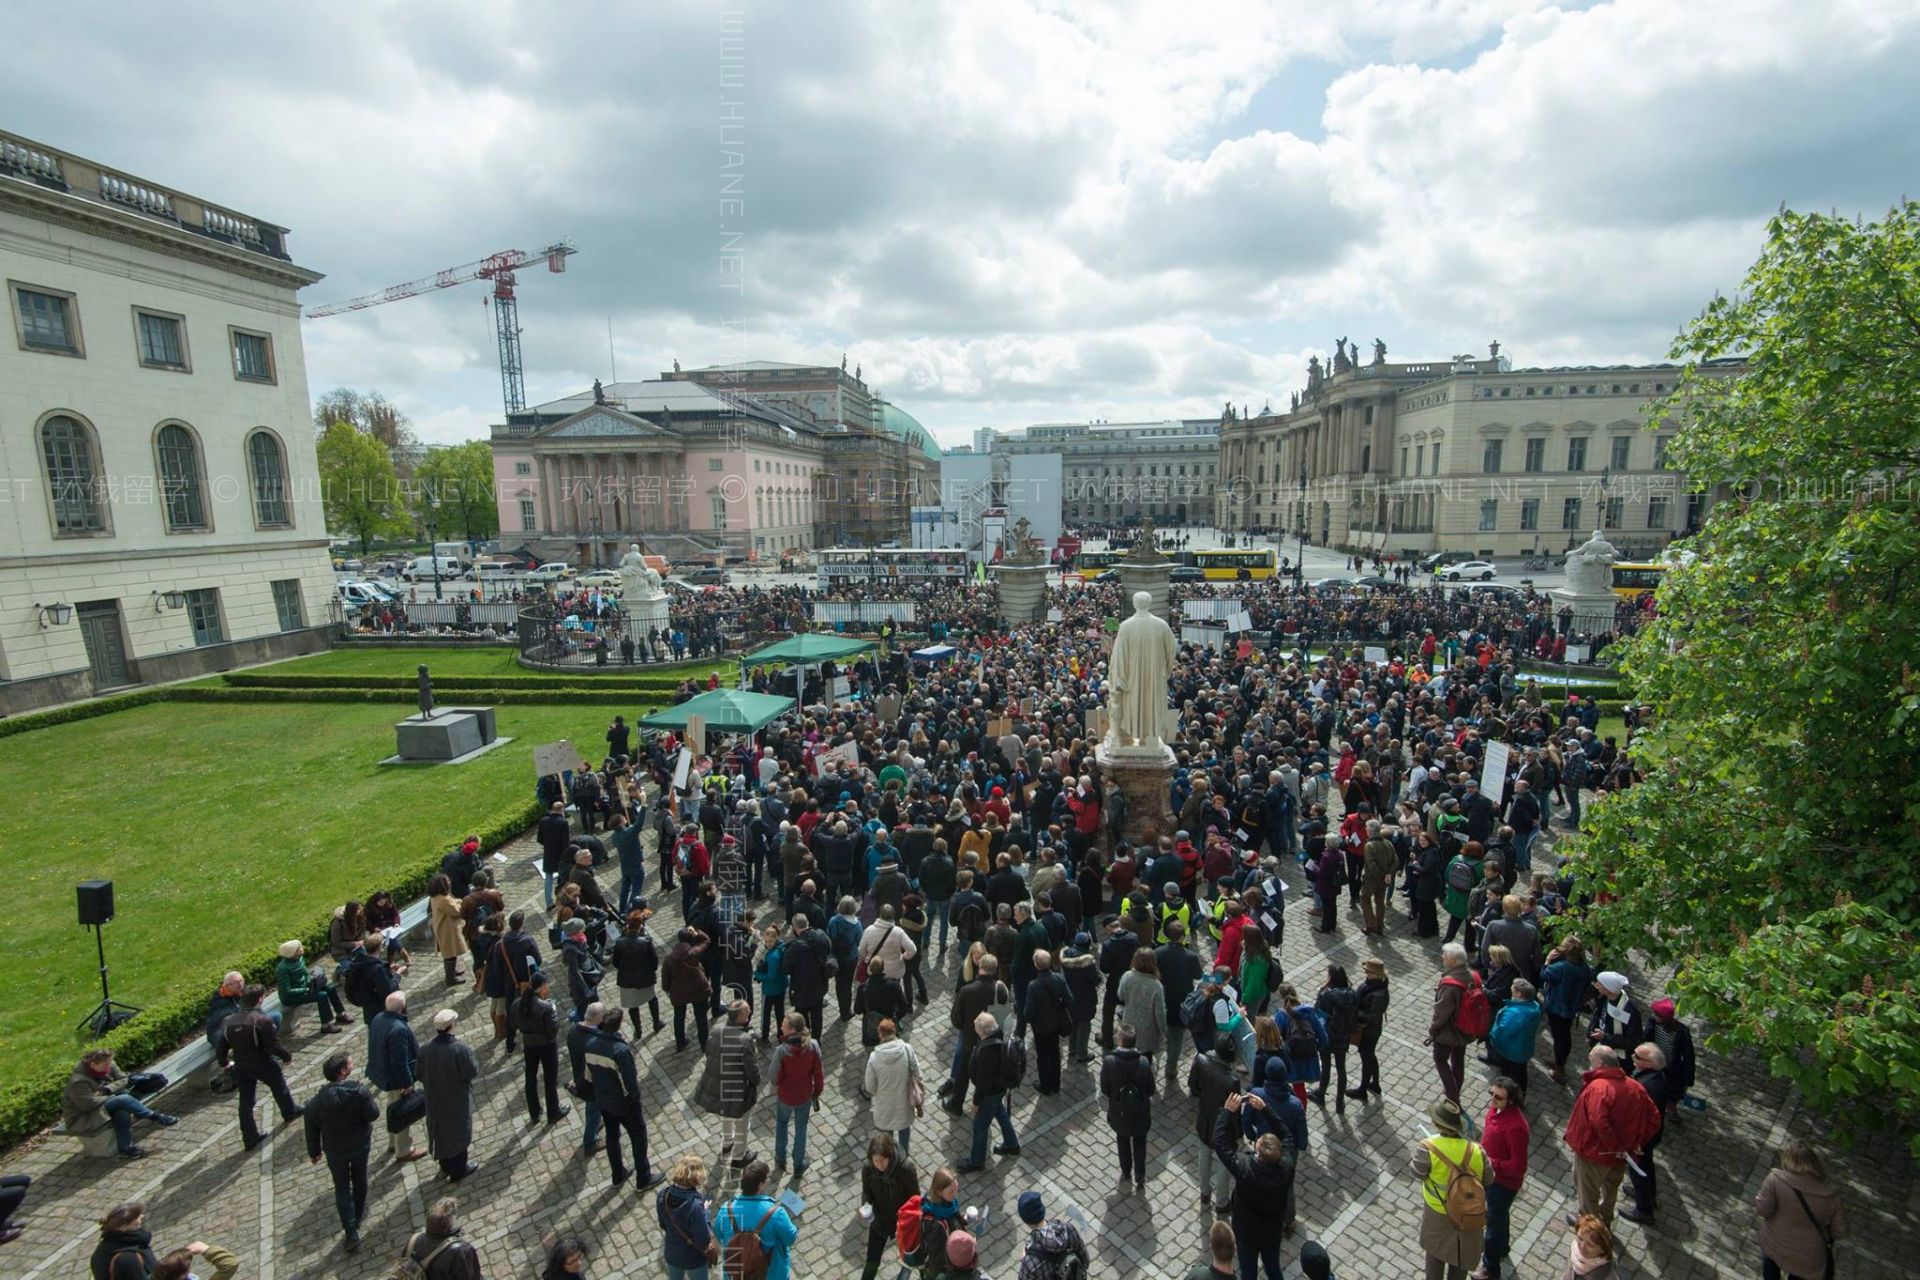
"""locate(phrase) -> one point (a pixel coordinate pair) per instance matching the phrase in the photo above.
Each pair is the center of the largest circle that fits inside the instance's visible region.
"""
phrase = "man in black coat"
(1650, 1070)
(519, 956)
(553, 835)
(1478, 811)
(1126, 1082)
(807, 959)
(616, 1090)
(535, 1017)
(1262, 1185)
(254, 1043)
(972, 1000)
(1116, 957)
(367, 979)
(1180, 972)
(1005, 886)
(1212, 1079)
(1048, 1013)
(340, 1127)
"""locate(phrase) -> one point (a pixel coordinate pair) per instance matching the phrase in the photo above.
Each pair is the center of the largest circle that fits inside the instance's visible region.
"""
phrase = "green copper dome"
(898, 422)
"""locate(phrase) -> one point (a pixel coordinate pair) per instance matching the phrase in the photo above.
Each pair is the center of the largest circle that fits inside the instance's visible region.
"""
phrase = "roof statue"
(599, 392)
(676, 364)
(856, 373)
(843, 362)
(1296, 402)
(1341, 361)
(1313, 374)
(1379, 351)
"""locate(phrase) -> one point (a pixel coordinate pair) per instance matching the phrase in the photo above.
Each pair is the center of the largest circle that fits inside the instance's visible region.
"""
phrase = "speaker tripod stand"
(109, 1013)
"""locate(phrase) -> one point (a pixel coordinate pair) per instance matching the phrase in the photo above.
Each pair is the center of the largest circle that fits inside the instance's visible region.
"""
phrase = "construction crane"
(497, 267)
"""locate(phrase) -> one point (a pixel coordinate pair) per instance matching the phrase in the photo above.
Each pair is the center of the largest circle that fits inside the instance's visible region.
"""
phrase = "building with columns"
(1465, 454)
(727, 464)
(1117, 472)
(162, 514)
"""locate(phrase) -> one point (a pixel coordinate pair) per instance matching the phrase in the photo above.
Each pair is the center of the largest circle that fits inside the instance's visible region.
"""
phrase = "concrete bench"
(102, 1143)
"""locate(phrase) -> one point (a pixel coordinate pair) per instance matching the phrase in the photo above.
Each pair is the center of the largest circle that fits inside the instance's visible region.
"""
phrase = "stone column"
(1151, 577)
(1023, 591)
(543, 469)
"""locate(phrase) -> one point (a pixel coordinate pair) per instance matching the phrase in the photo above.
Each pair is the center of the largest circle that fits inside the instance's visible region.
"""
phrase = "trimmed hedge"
(404, 698)
(451, 684)
(81, 711)
(156, 1031)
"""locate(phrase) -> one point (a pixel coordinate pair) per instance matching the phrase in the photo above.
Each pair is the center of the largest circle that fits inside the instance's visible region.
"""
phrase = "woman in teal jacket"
(770, 971)
(1516, 1028)
(300, 986)
(1565, 980)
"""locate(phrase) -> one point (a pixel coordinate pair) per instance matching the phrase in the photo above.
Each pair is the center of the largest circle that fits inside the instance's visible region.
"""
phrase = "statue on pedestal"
(426, 692)
(1590, 567)
(1379, 351)
(638, 581)
(1026, 547)
(1146, 545)
(1137, 672)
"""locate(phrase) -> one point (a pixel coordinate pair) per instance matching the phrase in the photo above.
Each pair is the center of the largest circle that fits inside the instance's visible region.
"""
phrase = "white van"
(421, 568)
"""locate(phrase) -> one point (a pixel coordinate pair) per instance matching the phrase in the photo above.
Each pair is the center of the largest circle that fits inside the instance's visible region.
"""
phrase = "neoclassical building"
(1466, 454)
(1117, 472)
(732, 463)
(163, 512)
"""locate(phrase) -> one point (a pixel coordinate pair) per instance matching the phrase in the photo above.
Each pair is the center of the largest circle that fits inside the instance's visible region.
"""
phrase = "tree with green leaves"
(452, 491)
(377, 416)
(1772, 852)
(358, 486)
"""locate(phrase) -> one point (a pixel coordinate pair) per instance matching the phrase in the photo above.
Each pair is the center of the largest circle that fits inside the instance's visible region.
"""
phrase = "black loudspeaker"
(96, 901)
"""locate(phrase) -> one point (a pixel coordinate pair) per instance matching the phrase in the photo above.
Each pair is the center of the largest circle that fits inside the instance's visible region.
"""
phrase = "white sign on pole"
(887, 707)
(556, 757)
(846, 753)
(1055, 615)
(1240, 621)
(1493, 771)
(1376, 654)
(1578, 652)
(681, 768)
(837, 692)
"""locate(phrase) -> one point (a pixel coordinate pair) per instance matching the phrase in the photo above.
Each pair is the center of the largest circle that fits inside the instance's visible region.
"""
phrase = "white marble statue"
(1137, 672)
(1590, 567)
(638, 581)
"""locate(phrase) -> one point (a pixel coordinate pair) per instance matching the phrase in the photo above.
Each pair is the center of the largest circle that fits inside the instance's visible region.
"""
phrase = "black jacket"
(1211, 1081)
(1260, 1190)
(1082, 973)
(1049, 1004)
(254, 1042)
(984, 1067)
(1180, 972)
(554, 833)
(806, 960)
(537, 1021)
(1005, 885)
(340, 1119)
(1116, 955)
(1123, 1067)
(124, 1255)
(636, 961)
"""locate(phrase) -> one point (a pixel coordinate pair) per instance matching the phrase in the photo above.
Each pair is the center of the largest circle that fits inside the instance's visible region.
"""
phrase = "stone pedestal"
(1150, 578)
(1592, 612)
(1144, 778)
(645, 613)
(1023, 592)
(441, 736)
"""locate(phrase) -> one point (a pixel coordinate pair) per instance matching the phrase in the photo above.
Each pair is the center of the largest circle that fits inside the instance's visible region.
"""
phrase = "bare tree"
(377, 416)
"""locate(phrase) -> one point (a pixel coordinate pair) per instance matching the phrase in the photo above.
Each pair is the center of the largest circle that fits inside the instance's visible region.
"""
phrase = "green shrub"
(450, 684)
(80, 711)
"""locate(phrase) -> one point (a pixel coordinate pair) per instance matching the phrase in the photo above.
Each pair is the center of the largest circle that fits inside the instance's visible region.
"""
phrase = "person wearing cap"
(537, 1020)
(962, 1256)
(1616, 1018)
(1052, 1244)
(447, 1072)
(298, 986)
(1612, 1118)
(1450, 1248)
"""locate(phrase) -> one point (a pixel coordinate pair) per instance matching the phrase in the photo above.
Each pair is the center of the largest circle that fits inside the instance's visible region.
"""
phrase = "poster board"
(1376, 655)
(846, 753)
(682, 767)
(696, 732)
(1056, 615)
(1579, 652)
(557, 757)
(839, 690)
(1493, 771)
(887, 707)
(1096, 722)
(1000, 727)
(1240, 621)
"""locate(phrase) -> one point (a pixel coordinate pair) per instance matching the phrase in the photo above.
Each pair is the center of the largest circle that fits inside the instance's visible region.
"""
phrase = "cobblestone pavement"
(1354, 1191)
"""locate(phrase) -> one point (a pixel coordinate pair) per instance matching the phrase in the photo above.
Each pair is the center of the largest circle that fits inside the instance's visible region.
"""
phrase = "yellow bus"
(1231, 566)
(1633, 579)
(1091, 564)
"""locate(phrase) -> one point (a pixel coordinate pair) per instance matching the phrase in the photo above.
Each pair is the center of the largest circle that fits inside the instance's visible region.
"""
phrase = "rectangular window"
(1489, 514)
(713, 464)
(203, 614)
(527, 524)
(47, 321)
(1570, 514)
(1656, 513)
(1490, 456)
(1403, 460)
(1369, 419)
(1622, 450)
(1419, 458)
(1660, 444)
(1616, 512)
(523, 468)
(286, 603)
(1536, 459)
(1436, 459)
(252, 356)
(162, 339)
(1529, 514)
(1577, 454)
(720, 511)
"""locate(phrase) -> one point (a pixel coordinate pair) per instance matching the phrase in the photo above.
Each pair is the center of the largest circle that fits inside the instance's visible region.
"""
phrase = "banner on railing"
(1212, 608)
(876, 611)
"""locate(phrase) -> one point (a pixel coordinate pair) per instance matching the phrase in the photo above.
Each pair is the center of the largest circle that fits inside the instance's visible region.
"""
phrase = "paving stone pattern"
(1355, 1193)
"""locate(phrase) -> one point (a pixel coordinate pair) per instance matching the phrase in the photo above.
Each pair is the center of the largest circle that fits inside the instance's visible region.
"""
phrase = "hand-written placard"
(556, 757)
(1493, 771)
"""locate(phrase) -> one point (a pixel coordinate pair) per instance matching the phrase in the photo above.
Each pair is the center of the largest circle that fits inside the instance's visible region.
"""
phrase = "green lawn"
(224, 828)
(497, 661)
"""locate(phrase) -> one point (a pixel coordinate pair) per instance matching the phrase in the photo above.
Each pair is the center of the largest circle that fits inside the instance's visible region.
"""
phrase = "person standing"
(688, 987)
(517, 955)
(984, 992)
(439, 1250)
(253, 1041)
(1180, 972)
(1801, 1216)
(554, 832)
(579, 1036)
(686, 1234)
(800, 1077)
(1612, 1119)
(1116, 960)
(1048, 1013)
(1080, 968)
(892, 1080)
(1220, 1251)
(1339, 1006)
(1450, 1247)
(537, 1020)
(1126, 1082)
(1262, 1186)
(1516, 1029)
(1444, 1032)
(340, 1128)
(1143, 1003)
(989, 1070)
(887, 1181)
(1565, 981)
(393, 1064)
(616, 1091)
(584, 970)
(1504, 1138)
(1054, 1245)
(632, 855)
(449, 937)
(1373, 998)
(447, 1072)
(1650, 1073)
(1675, 1040)
(730, 1081)
(636, 965)
(1379, 861)
(1212, 1080)
(756, 1214)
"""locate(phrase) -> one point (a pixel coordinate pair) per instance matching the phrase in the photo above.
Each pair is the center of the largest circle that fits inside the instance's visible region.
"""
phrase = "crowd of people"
(950, 824)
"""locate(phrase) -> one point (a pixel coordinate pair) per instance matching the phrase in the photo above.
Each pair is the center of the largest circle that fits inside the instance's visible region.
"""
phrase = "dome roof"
(896, 421)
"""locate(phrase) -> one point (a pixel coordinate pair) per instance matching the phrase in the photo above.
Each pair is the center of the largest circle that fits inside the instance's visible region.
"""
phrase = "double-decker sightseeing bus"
(840, 565)
(1257, 563)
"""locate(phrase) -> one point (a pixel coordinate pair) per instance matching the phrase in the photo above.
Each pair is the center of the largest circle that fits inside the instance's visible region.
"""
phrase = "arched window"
(182, 486)
(266, 461)
(74, 482)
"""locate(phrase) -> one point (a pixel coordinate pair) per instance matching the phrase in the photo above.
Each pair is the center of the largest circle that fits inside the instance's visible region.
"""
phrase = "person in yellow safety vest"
(1175, 909)
(1436, 1162)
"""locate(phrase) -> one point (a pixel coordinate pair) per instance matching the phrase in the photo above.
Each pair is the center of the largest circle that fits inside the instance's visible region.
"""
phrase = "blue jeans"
(903, 1138)
(956, 1074)
(592, 1133)
(547, 881)
(799, 1115)
(1523, 850)
(992, 1107)
(123, 1109)
(686, 1273)
(631, 887)
(940, 911)
(1499, 1214)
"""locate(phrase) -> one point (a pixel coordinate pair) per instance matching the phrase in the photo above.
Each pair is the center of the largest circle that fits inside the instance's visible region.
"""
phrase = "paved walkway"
(1355, 1194)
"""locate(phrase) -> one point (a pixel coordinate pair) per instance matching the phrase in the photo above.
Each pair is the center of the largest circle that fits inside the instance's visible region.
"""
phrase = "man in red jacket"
(1613, 1118)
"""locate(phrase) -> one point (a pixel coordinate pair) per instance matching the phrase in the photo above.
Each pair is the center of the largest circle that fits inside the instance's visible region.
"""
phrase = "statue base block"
(1144, 776)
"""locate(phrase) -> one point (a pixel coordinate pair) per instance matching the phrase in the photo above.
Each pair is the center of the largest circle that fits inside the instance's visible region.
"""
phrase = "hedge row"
(159, 1029)
(404, 698)
(453, 684)
(81, 711)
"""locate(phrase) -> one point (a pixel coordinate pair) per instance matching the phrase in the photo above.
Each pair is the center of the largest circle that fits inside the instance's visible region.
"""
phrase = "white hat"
(290, 948)
(444, 1019)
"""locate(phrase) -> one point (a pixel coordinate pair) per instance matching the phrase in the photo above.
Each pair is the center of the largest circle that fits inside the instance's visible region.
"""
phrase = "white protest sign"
(696, 732)
(556, 757)
(1493, 771)
(1096, 722)
(681, 767)
(1055, 615)
(1376, 655)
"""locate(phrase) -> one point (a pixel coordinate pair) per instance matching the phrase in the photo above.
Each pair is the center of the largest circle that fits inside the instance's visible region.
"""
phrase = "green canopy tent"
(805, 649)
(725, 710)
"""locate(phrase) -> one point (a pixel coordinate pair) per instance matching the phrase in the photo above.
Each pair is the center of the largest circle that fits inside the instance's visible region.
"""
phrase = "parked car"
(1496, 591)
(1441, 559)
(1187, 573)
(552, 571)
(1484, 570)
(1378, 582)
(355, 593)
(1332, 584)
(602, 578)
(1107, 575)
(709, 576)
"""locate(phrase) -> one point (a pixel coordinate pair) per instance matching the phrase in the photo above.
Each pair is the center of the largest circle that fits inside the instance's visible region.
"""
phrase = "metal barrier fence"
(875, 611)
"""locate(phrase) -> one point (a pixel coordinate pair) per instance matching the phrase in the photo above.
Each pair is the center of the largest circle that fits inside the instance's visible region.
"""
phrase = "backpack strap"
(764, 1219)
(1466, 1156)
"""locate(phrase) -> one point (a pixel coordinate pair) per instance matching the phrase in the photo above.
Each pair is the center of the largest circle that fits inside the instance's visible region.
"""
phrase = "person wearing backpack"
(1304, 1036)
(1339, 1006)
(1462, 877)
(439, 1252)
(1453, 1212)
(1126, 1082)
(1054, 1250)
(1460, 1013)
(993, 1071)
(756, 1234)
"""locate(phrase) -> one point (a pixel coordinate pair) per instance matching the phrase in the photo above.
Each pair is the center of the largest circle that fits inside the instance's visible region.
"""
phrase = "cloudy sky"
(1006, 211)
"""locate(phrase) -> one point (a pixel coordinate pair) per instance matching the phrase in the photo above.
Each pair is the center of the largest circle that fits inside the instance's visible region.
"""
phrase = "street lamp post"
(1300, 562)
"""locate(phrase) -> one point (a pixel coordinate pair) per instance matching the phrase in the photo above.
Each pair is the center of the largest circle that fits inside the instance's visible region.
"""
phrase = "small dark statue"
(426, 692)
